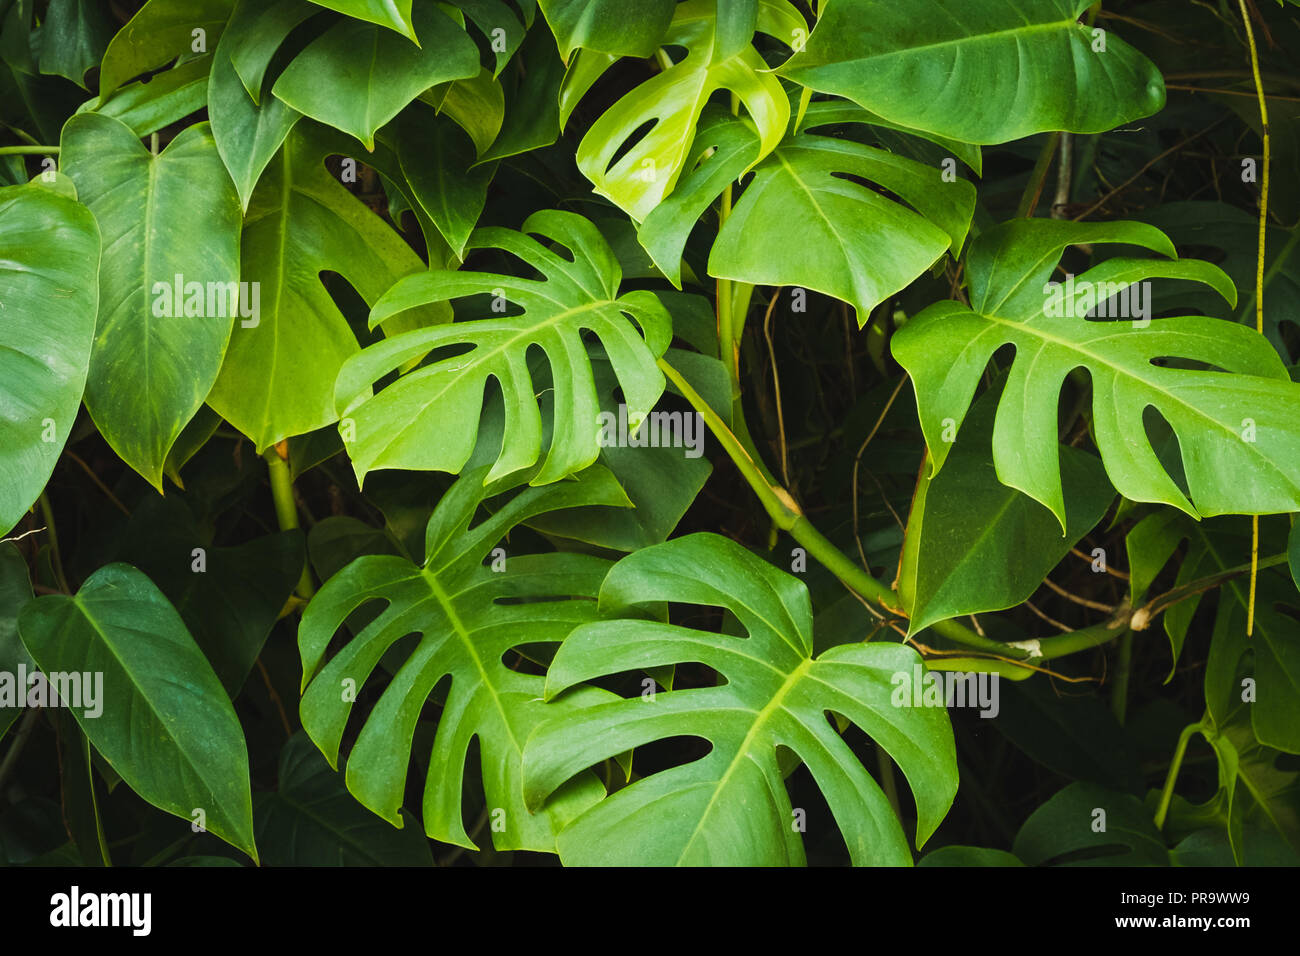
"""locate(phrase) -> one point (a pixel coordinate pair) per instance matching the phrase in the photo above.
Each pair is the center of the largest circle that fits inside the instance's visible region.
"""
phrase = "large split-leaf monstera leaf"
(672, 102)
(429, 418)
(731, 808)
(1239, 428)
(982, 71)
(49, 292)
(802, 221)
(457, 606)
(166, 221)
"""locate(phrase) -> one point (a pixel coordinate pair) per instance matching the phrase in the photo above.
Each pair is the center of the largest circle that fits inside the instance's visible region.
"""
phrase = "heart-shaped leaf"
(374, 73)
(168, 281)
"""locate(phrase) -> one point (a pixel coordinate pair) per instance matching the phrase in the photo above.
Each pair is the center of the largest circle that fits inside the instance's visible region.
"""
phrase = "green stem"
(286, 511)
(1167, 794)
(1272, 272)
(1034, 188)
(94, 802)
(1084, 639)
(787, 516)
(56, 558)
(29, 150)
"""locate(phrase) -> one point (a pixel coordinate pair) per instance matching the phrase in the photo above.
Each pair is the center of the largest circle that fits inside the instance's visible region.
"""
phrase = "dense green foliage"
(609, 432)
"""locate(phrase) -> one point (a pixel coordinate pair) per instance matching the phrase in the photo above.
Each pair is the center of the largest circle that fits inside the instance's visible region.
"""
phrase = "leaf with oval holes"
(1239, 432)
(731, 808)
(468, 616)
(636, 173)
(429, 418)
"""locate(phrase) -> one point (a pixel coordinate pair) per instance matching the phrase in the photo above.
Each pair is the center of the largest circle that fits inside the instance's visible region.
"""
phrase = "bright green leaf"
(278, 376)
(730, 808)
(49, 296)
(981, 71)
(455, 604)
(1239, 432)
(372, 73)
(166, 220)
(428, 419)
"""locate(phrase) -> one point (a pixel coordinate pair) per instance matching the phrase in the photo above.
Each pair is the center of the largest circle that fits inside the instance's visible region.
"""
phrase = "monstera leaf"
(429, 418)
(982, 71)
(278, 376)
(730, 807)
(50, 292)
(170, 227)
(1239, 427)
(468, 617)
(636, 173)
(803, 221)
(375, 73)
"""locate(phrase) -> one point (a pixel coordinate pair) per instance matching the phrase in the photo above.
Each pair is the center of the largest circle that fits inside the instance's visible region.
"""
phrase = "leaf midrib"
(761, 717)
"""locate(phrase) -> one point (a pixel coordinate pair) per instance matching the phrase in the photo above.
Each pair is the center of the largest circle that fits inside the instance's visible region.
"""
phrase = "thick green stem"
(1037, 177)
(286, 510)
(1175, 764)
(786, 515)
(29, 150)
